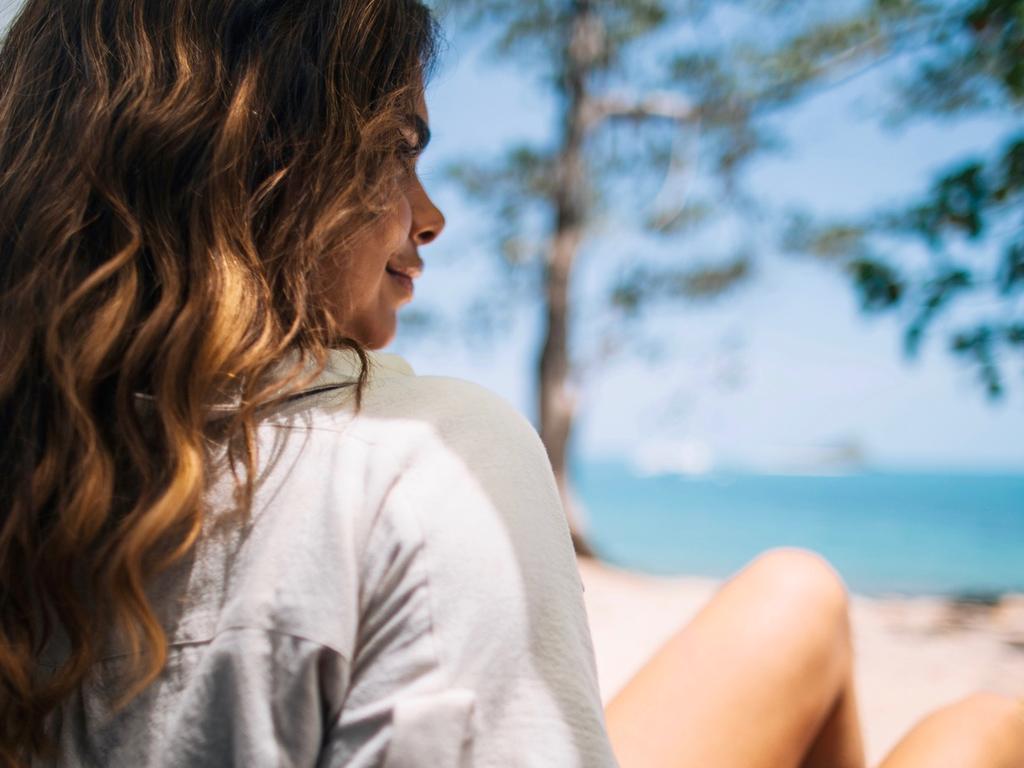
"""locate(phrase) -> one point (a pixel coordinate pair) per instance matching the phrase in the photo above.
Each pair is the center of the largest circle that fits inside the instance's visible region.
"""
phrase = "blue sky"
(783, 369)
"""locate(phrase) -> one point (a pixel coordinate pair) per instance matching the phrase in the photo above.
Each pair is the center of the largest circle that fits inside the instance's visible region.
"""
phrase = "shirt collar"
(342, 368)
(343, 365)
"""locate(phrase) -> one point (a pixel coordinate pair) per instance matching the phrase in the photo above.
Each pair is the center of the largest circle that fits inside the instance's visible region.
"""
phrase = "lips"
(403, 276)
(411, 271)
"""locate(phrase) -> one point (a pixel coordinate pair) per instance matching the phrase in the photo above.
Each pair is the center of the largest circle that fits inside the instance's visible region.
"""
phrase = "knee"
(804, 578)
(798, 604)
(803, 595)
(987, 726)
(992, 708)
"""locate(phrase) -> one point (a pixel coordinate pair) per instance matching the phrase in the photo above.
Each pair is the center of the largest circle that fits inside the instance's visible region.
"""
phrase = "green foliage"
(966, 57)
(512, 190)
(1011, 270)
(978, 346)
(958, 57)
(832, 242)
(966, 203)
(956, 204)
(649, 109)
(969, 202)
(938, 292)
(642, 285)
(977, 60)
(681, 220)
(878, 284)
(538, 32)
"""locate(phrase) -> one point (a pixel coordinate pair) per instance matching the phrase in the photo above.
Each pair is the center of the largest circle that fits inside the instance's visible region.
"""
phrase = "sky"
(784, 371)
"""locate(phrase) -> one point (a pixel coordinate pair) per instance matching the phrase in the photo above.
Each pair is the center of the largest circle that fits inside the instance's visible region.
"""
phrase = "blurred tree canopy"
(675, 95)
(966, 59)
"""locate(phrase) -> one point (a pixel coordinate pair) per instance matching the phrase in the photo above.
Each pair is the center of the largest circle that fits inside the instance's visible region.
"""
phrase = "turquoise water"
(886, 533)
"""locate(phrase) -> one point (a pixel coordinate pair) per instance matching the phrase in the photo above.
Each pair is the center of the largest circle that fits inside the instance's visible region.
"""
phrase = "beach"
(913, 654)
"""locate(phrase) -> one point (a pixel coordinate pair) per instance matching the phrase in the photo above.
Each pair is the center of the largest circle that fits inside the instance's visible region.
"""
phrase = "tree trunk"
(557, 401)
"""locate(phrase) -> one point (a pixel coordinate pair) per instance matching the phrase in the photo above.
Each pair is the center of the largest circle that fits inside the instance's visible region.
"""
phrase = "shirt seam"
(394, 492)
(406, 459)
(223, 631)
(439, 660)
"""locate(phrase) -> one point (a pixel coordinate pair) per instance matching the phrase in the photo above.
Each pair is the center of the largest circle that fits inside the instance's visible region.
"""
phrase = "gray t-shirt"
(403, 595)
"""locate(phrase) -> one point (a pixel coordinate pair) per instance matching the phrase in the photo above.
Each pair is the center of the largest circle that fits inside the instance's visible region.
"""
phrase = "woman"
(232, 534)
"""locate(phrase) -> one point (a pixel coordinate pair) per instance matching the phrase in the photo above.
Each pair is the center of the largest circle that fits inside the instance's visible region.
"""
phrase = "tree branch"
(655, 105)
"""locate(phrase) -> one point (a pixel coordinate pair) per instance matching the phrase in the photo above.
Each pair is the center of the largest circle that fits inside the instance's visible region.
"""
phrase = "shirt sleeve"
(473, 647)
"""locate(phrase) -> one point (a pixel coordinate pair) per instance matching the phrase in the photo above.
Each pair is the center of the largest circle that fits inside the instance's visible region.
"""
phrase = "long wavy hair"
(174, 174)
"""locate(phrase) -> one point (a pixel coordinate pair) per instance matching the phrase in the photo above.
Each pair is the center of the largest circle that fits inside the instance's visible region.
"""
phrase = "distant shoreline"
(980, 598)
(888, 534)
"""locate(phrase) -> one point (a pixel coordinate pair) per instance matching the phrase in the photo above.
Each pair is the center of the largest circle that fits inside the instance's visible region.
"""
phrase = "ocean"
(957, 535)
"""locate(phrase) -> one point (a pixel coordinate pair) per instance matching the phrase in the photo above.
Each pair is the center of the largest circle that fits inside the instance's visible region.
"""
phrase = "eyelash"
(409, 155)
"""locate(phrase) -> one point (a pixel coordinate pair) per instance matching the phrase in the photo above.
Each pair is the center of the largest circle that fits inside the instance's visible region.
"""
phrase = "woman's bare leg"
(984, 730)
(762, 676)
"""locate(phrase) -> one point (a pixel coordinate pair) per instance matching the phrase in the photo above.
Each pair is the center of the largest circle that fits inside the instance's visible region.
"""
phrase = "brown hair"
(172, 175)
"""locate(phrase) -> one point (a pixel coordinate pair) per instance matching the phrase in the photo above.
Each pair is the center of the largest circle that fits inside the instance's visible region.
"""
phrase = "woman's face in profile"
(379, 269)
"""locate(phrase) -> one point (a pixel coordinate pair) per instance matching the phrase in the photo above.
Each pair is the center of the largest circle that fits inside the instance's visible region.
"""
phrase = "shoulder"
(457, 452)
(393, 384)
(452, 433)
(423, 427)
(397, 400)
(474, 436)
(459, 406)
(477, 485)
(395, 395)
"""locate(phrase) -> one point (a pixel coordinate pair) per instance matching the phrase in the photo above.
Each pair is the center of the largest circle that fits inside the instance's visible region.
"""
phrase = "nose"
(427, 219)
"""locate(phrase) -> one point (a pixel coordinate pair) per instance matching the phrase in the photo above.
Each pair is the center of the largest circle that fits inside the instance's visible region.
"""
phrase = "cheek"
(400, 224)
(387, 239)
(362, 295)
(373, 251)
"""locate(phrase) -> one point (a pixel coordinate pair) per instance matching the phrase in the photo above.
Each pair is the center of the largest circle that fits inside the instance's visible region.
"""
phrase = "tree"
(648, 71)
(966, 59)
(546, 199)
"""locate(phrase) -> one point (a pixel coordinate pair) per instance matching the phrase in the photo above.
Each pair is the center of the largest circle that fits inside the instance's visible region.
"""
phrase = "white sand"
(913, 654)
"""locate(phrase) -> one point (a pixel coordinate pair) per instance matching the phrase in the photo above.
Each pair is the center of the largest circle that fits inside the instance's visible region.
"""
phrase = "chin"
(373, 331)
(381, 336)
